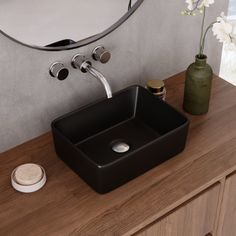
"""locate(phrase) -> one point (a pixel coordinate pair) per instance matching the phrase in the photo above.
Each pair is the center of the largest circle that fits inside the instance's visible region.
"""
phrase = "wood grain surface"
(194, 218)
(227, 223)
(68, 206)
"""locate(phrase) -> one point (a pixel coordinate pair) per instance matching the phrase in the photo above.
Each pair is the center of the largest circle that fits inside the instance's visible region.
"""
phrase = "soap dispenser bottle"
(157, 88)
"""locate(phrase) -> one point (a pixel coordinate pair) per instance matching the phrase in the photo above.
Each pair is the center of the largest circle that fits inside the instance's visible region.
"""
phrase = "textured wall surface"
(156, 42)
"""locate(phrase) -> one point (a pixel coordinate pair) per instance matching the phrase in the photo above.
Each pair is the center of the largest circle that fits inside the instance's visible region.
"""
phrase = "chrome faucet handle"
(58, 70)
(80, 62)
(101, 54)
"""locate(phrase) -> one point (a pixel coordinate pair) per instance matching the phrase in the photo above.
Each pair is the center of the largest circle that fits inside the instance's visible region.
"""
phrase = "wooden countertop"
(67, 206)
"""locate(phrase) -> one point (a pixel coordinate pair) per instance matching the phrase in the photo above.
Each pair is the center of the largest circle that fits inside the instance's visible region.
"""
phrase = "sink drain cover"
(120, 147)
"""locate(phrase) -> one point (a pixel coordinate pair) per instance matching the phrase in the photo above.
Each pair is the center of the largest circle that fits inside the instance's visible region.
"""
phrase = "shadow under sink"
(112, 141)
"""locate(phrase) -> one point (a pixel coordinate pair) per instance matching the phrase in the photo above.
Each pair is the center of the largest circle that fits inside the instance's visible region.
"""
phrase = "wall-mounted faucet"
(81, 62)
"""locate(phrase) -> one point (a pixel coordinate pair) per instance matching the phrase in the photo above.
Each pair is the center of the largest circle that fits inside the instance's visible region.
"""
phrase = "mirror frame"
(85, 41)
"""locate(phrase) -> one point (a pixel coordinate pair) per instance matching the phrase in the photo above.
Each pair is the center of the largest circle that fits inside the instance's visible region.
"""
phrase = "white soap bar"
(28, 174)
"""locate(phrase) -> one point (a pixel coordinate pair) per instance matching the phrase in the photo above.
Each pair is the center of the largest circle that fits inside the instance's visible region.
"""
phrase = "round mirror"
(61, 25)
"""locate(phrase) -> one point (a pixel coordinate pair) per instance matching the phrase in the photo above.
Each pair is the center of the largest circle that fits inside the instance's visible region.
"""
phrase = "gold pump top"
(156, 86)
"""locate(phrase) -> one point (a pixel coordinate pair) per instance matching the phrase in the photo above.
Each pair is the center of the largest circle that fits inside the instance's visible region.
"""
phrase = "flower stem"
(202, 30)
(204, 37)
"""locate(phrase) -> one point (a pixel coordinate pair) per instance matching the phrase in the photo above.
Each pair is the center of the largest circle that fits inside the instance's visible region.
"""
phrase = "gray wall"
(156, 42)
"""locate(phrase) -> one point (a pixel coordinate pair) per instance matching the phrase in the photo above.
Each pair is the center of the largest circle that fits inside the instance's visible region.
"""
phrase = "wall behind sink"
(156, 42)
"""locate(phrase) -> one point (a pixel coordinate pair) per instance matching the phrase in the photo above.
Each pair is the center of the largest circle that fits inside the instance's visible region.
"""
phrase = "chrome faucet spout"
(81, 62)
(98, 75)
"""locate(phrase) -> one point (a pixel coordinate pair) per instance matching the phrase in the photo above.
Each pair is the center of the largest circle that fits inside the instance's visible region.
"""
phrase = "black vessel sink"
(114, 140)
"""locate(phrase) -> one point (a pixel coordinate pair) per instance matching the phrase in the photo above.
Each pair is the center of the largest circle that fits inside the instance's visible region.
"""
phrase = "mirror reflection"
(42, 23)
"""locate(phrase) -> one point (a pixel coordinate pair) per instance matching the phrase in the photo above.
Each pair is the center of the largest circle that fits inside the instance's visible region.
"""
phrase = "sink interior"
(133, 117)
(134, 132)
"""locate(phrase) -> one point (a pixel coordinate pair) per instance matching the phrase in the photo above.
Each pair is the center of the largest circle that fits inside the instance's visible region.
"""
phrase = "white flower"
(221, 17)
(196, 5)
(206, 3)
(225, 31)
(190, 4)
(222, 31)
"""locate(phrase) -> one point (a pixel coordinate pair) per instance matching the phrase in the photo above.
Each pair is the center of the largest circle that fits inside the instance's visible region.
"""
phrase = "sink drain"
(120, 147)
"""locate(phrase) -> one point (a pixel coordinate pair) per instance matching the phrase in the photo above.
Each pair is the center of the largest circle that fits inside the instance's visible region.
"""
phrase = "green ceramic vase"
(197, 89)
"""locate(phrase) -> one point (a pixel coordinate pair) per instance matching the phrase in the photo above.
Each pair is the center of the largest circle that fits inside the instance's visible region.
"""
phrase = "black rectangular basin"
(114, 140)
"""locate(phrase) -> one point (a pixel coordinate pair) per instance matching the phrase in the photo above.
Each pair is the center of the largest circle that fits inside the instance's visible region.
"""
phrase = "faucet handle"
(101, 54)
(58, 70)
(80, 62)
